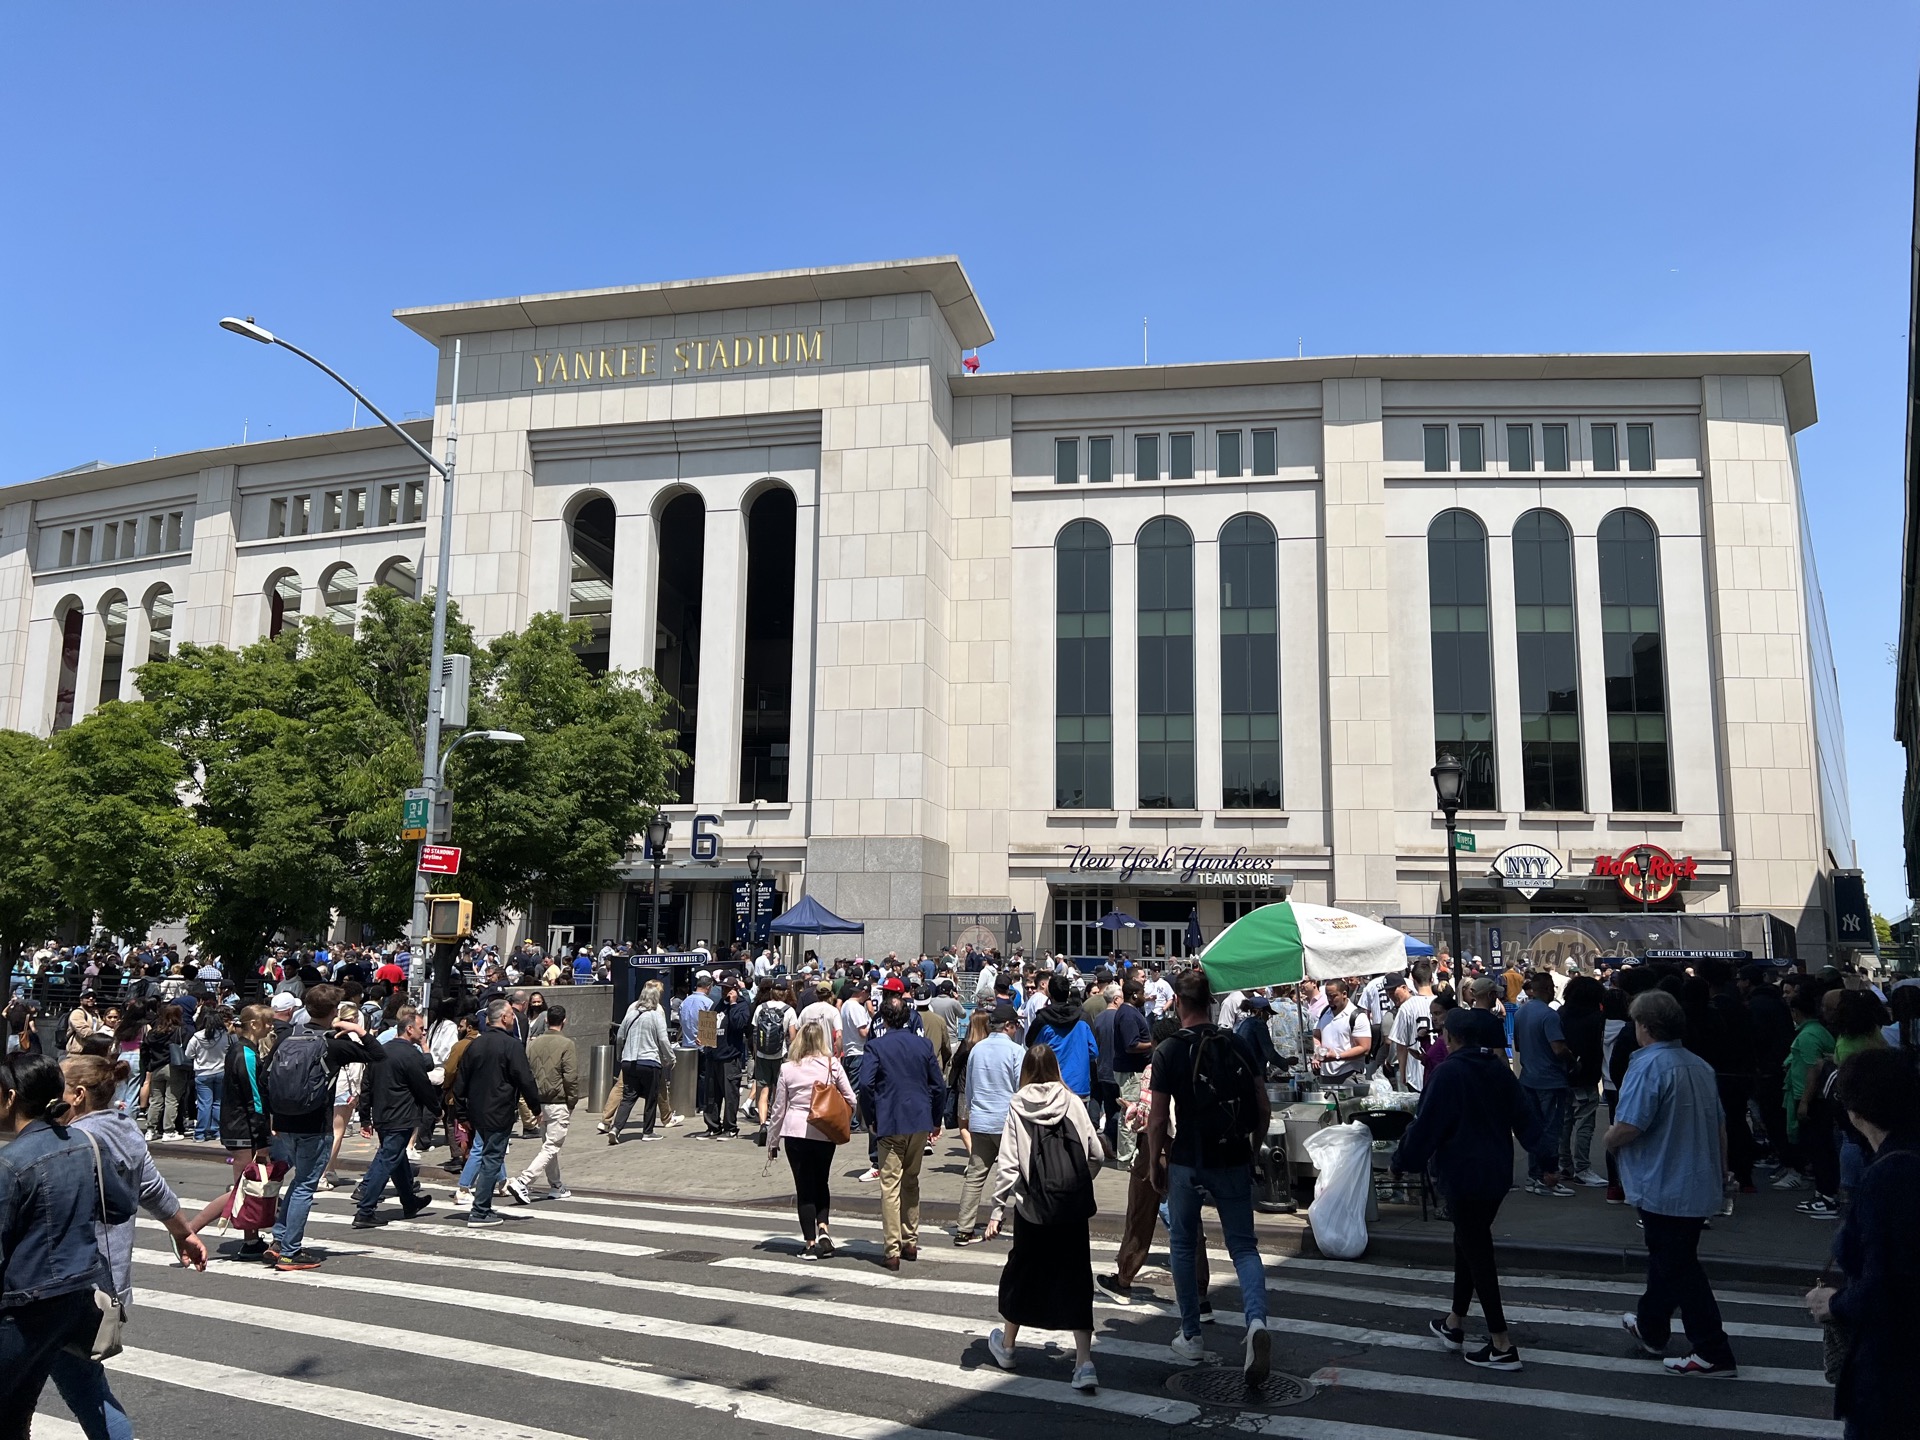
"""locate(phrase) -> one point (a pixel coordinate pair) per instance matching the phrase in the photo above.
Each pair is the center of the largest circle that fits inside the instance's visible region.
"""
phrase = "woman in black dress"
(1048, 1279)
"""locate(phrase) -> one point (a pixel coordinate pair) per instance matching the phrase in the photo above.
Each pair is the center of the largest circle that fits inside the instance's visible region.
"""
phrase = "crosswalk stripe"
(376, 1412)
(700, 1394)
(56, 1427)
(908, 1367)
(1516, 1282)
(844, 1275)
(502, 1235)
(1575, 1402)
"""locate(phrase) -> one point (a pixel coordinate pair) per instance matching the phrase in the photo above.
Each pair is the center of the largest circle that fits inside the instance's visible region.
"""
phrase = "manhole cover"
(1225, 1386)
(691, 1257)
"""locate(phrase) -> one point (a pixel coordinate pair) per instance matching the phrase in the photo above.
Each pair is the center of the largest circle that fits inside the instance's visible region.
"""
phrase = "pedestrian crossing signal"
(449, 917)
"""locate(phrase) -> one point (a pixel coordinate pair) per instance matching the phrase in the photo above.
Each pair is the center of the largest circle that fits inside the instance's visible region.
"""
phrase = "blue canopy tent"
(1418, 947)
(810, 917)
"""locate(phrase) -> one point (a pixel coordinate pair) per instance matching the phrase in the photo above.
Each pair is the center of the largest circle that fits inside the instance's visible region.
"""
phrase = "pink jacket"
(793, 1097)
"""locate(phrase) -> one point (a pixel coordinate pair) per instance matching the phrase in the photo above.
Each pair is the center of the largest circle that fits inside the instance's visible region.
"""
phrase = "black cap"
(1004, 1014)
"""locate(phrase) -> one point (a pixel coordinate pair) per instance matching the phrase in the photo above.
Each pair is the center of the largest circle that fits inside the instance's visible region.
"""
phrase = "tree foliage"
(29, 893)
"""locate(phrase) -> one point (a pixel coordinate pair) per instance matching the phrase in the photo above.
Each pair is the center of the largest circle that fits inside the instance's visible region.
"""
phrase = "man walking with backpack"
(301, 1073)
(1209, 1108)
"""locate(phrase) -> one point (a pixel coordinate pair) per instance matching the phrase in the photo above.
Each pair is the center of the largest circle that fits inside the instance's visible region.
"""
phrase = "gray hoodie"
(1032, 1106)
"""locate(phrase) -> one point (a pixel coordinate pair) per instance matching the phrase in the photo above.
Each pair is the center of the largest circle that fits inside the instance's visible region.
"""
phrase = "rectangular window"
(276, 518)
(129, 538)
(330, 510)
(1473, 448)
(1266, 452)
(83, 552)
(1639, 447)
(1227, 455)
(1100, 460)
(156, 533)
(1553, 447)
(177, 530)
(415, 505)
(1180, 457)
(110, 540)
(1606, 448)
(1066, 462)
(1519, 449)
(299, 514)
(389, 504)
(1146, 457)
(66, 547)
(356, 509)
(1436, 448)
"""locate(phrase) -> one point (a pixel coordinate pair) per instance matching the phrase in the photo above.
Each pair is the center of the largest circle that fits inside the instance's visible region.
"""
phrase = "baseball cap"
(284, 1003)
(1256, 1002)
(895, 985)
(1004, 1013)
(702, 975)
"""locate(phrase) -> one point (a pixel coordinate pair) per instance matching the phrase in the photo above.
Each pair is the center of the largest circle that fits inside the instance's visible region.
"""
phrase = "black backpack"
(770, 1031)
(1224, 1107)
(299, 1081)
(1059, 1180)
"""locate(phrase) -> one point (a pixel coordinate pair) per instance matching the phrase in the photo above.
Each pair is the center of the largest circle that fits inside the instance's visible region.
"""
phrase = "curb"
(1284, 1235)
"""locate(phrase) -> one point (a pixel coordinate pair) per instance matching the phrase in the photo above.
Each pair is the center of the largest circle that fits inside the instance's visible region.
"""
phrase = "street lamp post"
(658, 829)
(754, 859)
(1447, 776)
(430, 767)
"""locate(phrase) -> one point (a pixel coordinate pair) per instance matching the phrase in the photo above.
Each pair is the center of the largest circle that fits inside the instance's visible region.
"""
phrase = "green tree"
(116, 832)
(1882, 930)
(29, 891)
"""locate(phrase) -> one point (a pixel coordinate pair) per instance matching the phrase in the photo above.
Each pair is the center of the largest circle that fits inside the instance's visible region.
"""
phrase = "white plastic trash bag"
(1343, 1157)
(1380, 1092)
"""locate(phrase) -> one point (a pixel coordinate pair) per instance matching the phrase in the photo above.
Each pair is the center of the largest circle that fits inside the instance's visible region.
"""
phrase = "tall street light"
(431, 762)
(754, 860)
(1447, 776)
(658, 829)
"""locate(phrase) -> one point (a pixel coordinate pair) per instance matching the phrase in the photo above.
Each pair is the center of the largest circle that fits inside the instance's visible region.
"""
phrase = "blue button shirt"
(1673, 1167)
(1536, 1025)
(690, 1009)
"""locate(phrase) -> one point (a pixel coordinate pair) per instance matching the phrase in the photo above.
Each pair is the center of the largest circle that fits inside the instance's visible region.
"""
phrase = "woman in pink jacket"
(809, 1153)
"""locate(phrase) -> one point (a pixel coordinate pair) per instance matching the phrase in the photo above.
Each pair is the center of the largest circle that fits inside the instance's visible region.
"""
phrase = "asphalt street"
(610, 1317)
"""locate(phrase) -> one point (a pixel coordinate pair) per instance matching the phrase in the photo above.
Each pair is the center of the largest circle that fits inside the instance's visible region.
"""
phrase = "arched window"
(1636, 665)
(342, 590)
(766, 722)
(676, 659)
(590, 590)
(1249, 666)
(1083, 669)
(1164, 554)
(399, 574)
(1462, 660)
(70, 620)
(283, 602)
(113, 644)
(159, 623)
(1549, 662)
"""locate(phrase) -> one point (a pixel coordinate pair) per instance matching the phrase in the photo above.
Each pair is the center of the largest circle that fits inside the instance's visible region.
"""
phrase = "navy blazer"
(1470, 1110)
(901, 1090)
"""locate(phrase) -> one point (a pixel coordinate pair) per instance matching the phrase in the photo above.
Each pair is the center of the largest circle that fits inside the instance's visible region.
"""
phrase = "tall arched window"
(342, 590)
(766, 722)
(159, 623)
(70, 620)
(1636, 663)
(399, 574)
(676, 659)
(113, 644)
(283, 603)
(1462, 659)
(1083, 669)
(1249, 667)
(1549, 662)
(590, 589)
(1164, 556)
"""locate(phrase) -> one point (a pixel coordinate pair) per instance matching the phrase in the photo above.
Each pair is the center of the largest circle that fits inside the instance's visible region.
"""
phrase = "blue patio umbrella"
(1195, 941)
(1118, 920)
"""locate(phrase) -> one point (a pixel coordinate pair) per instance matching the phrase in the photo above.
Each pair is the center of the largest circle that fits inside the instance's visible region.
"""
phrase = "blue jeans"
(1231, 1190)
(206, 1093)
(492, 1150)
(82, 1384)
(305, 1157)
(390, 1163)
(1549, 1107)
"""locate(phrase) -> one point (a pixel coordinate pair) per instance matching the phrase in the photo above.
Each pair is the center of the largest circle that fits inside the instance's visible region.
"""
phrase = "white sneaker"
(414, 1157)
(518, 1189)
(1587, 1177)
(1259, 1361)
(676, 1120)
(998, 1348)
(1085, 1379)
(560, 1193)
(871, 1176)
(603, 1127)
(463, 1198)
(1789, 1180)
(1188, 1348)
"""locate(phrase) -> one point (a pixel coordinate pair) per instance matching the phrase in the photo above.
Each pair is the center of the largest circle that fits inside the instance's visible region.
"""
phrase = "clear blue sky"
(1362, 178)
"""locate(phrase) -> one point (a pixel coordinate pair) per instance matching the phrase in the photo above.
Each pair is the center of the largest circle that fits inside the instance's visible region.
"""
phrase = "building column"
(134, 654)
(1360, 796)
(806, 519)
(636, 591)
(1123, 669)
(86, 689)
(203, 612)
(723, 620)
(1208, 769)
(1596, 760)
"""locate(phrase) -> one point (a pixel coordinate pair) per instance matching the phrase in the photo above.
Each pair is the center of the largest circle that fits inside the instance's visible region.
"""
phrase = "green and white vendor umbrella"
(1289, 941)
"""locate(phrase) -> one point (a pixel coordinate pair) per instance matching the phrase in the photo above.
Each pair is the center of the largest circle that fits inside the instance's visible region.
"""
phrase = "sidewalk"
(1765, 1241)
